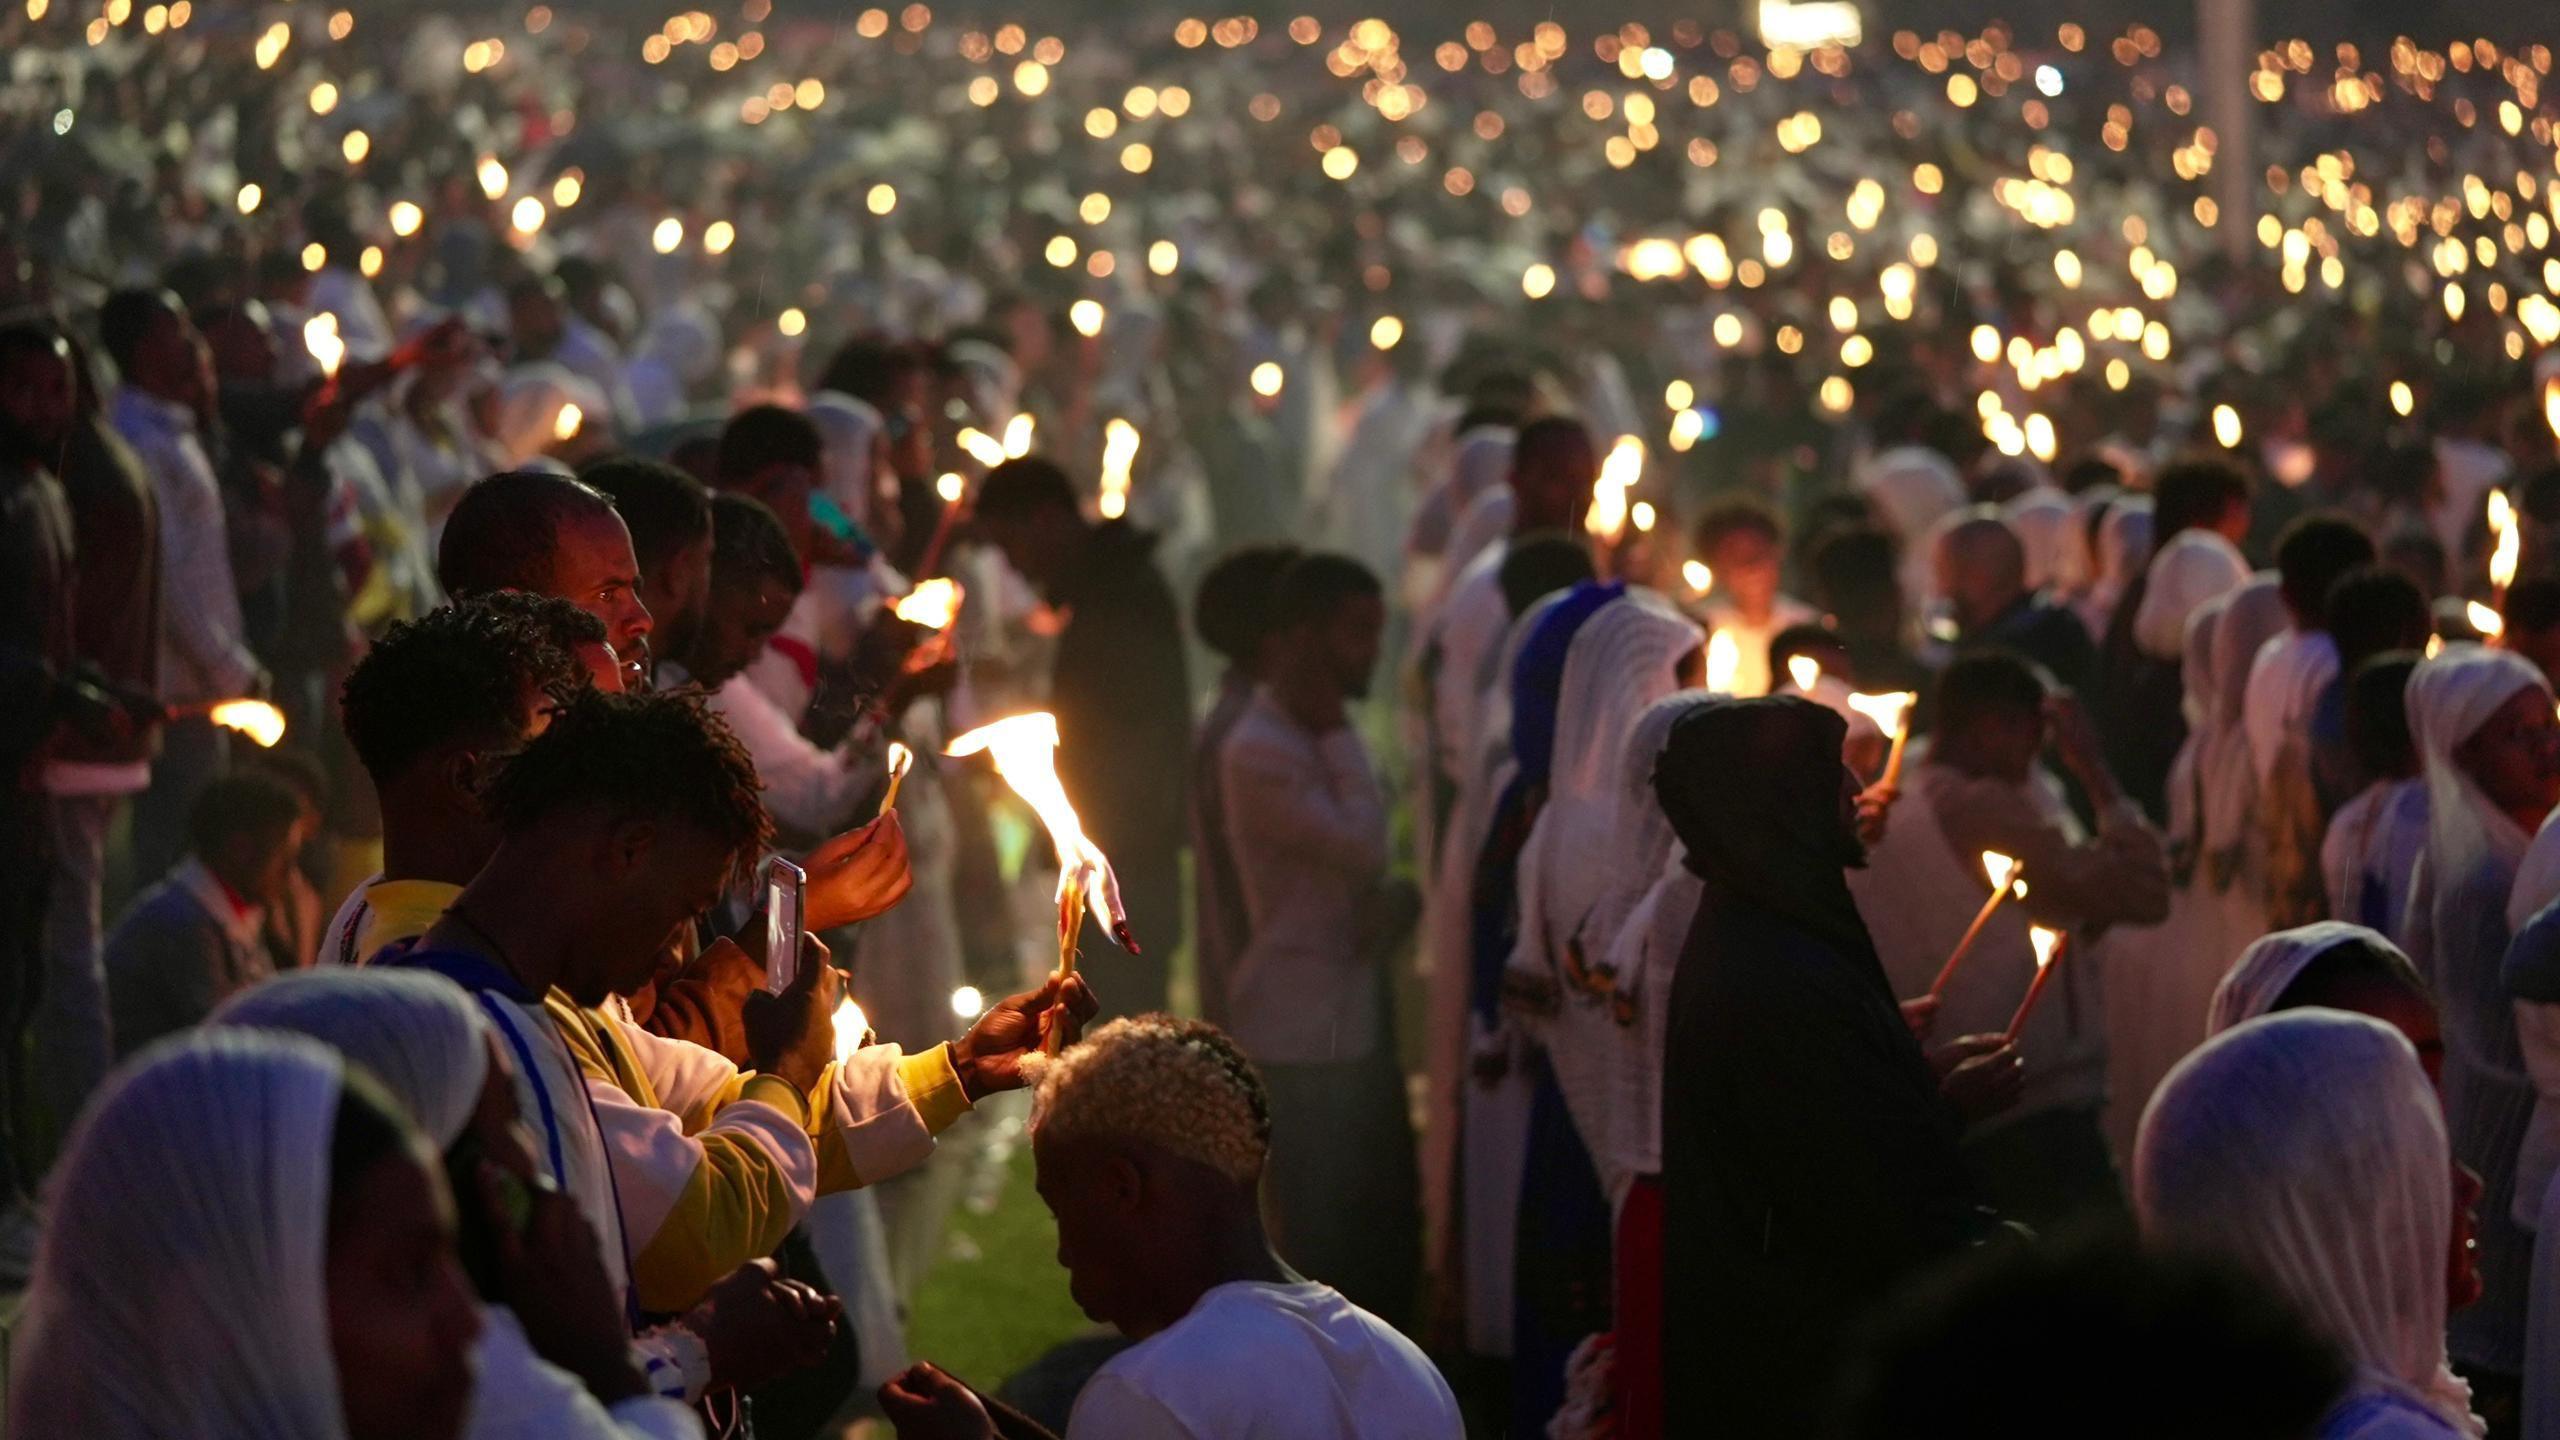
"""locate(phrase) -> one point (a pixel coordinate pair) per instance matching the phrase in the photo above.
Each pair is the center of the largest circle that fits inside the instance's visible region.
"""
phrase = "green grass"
(996, 1299)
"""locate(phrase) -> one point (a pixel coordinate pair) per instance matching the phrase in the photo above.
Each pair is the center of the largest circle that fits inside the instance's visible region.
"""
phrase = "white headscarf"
(531, 400)
(1911, 488)
(2043, 519)
(2250, 618)
(2309, 1147)
(1621, 661)
(2449, 698)
(2194, 567)
(2272, 963)
(181, 1286)
(2123, 549)
(1481, 525)
(849, 429)
(418, 1034)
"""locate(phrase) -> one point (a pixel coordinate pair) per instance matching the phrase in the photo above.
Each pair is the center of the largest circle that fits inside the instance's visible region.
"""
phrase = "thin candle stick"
(2051, 949)
(2004, 878)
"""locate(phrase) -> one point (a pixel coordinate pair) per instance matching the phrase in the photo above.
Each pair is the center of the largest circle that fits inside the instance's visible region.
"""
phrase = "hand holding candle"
(2052, 946)
(2004, 878)
(1892, 714)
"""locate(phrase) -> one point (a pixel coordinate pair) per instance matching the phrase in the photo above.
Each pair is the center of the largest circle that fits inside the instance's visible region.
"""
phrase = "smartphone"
(784, 883)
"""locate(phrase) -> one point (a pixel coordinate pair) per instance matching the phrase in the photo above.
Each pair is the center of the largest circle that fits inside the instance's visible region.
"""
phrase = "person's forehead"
(596, 540)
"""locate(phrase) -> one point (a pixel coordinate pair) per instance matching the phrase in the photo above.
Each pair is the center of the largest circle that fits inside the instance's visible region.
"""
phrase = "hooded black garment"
(1809, 1164)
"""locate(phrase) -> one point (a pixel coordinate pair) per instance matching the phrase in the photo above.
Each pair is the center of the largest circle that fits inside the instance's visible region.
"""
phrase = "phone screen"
(783, 882)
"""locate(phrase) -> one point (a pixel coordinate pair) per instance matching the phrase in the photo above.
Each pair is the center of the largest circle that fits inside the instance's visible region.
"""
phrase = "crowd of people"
(1988, 847)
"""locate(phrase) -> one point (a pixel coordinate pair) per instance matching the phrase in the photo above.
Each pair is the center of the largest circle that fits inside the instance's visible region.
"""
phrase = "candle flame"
(1017, 435)
(2000, 868)
(568, 422)
(320, 337)
(1624, 466)
(2487, 621)
(1724, 661)
(852, 1028)
(256, 719)
(2551, 404)
(1890, 712)
(1024, 749)
(933, 604)
(950, 487)
(901, 759)
(2046, 943)
(1696, 575)
(1805, 671)
(984, 448)
(2509, 549)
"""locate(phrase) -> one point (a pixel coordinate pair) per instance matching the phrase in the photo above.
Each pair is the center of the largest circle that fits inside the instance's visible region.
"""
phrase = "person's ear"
(1124, 1182)
(626, 847)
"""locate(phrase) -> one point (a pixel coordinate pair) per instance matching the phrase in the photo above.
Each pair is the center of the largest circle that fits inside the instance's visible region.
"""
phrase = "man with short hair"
(669, 515)
(1742, 541)
(1120, 689)
(1151, 1139)
(1982, 573)
(547, 534)
(199, 935)
(2045, 1162)
(616, 828)
(1307, 824)
(160, 410)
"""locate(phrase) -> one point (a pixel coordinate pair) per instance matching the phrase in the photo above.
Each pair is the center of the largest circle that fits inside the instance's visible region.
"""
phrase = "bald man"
(1982, 575)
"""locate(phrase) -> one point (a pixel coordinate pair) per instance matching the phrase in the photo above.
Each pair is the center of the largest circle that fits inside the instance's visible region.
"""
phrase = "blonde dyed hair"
(1180, 1085)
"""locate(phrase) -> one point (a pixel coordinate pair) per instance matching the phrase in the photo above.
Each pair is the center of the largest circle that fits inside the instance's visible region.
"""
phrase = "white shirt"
(2284, 684)
(2370, 852)
(208, 655)
(808, 788)
(2469, 470)
(1468, 631)
(1269, 1362)
(1307, 826)
(518, 1395)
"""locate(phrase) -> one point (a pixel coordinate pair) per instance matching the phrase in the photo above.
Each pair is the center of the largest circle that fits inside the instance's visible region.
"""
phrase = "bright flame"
(1017, 435)
(968, 1003)
(1267, 379)
(1618, 474)
(950, 487)
(320, 337)
(1119, 453)
(1696, 575)
(564, 426)
(256, 719)
(2487, 621)
(2509, 549)
(2046, 943)
(1025, 751)
(1724, 661)
(934, 604)
(2000, 868)
(2551, 404)
(493, 176)
(2226, 427)
(1888, 711)
(1086, 316)
(984, 448)
(851, 1026)
(1385, 332)
(1805, 671)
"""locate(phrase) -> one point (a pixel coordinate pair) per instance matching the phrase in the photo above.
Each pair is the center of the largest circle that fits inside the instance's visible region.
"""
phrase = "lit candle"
(2004, 878)
(1017, 435)
(260, 721)
(2486, 620)
(1805, 671)
(901, 760)
(933, 604)
(1724, 661)
(852, 1029)
(1892, 714)
(2508, 549)
(2051, 947)
(1024, 749)
(1697, 576)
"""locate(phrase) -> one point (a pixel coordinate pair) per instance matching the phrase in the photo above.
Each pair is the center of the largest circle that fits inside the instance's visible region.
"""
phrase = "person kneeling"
(1149, 1141)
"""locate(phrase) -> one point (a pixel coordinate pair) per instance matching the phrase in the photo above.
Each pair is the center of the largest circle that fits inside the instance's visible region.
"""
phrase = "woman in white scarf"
(2335, 966)
(2308, 1147)
(2123, 549)
(2484, 728)
(2194, 567)
(241, 1241)
(1584, 864)
(428, 1044)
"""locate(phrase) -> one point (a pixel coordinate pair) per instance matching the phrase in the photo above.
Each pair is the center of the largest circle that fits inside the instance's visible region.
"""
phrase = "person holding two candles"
(1984, 788)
